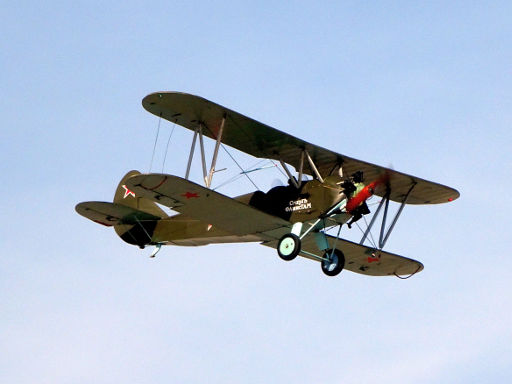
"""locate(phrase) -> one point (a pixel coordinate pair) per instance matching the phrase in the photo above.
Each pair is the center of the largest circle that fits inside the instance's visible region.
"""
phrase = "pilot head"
(358, 177)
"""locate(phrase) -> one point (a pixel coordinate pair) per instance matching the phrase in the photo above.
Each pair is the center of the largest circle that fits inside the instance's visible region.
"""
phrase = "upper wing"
(206, 205)
(363, 260)
(260, 140)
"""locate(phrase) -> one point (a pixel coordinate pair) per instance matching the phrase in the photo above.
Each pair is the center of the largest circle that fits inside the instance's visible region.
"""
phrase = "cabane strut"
(298, 182)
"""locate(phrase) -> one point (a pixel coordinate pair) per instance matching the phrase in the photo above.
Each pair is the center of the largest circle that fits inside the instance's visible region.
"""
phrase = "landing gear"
(288, 247)
(333, 262)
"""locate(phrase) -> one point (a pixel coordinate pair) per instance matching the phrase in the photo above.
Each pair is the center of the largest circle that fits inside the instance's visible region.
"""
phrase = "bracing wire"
(167, 147)
(156, 140)
(279, 169)
(239, 166)
(253, 168)
(370, 238)
(234, 178)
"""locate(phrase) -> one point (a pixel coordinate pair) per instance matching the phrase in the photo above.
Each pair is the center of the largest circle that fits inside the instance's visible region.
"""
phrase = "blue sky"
(424, 88)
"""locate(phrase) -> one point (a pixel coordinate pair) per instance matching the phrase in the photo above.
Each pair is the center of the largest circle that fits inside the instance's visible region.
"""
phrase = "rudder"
(126, 197)
(141, 233)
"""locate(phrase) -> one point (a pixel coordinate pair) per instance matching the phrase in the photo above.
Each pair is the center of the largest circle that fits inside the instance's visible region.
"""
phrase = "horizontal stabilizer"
(110, 214)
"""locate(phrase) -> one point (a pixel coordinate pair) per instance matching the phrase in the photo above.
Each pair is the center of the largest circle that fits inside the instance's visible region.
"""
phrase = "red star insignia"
(190, 195)
(127, 192)
(373, 258)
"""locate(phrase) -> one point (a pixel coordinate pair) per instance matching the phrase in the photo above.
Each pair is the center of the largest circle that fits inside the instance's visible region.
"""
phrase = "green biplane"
(293, 219)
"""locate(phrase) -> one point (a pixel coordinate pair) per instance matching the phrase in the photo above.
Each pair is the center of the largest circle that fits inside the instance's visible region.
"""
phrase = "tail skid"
(156, 250)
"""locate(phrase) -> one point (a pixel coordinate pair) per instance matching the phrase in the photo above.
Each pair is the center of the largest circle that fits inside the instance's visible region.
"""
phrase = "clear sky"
(424, 88)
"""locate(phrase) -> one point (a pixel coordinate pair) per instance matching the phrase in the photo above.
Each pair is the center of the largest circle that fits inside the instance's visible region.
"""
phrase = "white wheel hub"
(332, 263)
(287, 246)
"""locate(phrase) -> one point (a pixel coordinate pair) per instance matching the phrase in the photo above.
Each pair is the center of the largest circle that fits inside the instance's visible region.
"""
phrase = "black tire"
(333, 263)
(288, 247)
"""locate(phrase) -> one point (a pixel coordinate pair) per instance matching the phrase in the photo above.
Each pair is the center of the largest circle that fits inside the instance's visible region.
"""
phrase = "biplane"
(325, 191)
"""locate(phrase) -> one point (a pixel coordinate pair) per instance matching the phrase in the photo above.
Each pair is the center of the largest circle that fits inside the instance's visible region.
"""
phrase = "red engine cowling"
(364, 194)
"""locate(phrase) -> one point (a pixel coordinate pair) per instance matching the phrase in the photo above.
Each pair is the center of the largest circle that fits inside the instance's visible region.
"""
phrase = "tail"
(140, 233)
(124, 196)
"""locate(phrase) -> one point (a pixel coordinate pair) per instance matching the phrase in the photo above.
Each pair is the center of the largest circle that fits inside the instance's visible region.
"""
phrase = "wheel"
(333, 262)
(288, 247)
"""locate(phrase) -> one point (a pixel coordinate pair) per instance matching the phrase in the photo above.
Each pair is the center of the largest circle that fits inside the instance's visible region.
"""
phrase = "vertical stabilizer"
(128, 198)
(141, 233)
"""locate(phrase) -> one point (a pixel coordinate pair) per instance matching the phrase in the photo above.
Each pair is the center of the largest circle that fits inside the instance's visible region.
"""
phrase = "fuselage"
(293, 204)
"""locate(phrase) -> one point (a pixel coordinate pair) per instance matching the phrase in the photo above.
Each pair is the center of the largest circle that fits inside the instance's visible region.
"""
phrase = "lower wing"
(362, 259)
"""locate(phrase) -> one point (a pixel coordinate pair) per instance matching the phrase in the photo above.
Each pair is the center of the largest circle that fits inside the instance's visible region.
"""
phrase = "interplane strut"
(207, 177)
(384, 234)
